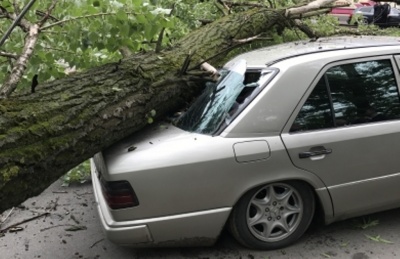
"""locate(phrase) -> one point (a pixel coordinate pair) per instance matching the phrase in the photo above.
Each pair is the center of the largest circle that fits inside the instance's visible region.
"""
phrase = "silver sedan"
(286, 132)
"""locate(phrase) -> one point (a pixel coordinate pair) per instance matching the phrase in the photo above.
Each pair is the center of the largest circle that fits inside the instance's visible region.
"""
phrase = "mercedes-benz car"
(287, 133)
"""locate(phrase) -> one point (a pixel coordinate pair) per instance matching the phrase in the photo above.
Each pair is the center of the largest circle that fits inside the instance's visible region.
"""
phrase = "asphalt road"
(71, 229)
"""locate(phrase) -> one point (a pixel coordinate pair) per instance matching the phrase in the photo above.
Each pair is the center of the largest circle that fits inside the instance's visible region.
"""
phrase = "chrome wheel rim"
(274, 212)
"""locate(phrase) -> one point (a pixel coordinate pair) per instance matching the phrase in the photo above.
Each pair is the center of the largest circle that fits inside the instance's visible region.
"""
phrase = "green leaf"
(141, 18)
(91, 10)
(121, 15)
(378, 239)
(137, 3)
(124, 30)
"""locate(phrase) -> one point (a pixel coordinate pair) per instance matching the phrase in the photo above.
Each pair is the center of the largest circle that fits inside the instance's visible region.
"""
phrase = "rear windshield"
(221, 101)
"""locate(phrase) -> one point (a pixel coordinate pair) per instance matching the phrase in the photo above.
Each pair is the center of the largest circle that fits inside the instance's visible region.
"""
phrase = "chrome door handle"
(308, 154)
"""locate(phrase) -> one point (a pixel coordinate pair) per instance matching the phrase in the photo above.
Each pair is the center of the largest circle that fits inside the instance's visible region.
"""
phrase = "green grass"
(79, 174)
(365, 223)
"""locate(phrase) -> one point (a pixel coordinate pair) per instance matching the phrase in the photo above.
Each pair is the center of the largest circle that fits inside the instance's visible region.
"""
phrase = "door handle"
(307, 154)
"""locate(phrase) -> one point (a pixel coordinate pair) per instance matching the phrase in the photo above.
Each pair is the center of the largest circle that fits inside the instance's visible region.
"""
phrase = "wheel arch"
(322, 199)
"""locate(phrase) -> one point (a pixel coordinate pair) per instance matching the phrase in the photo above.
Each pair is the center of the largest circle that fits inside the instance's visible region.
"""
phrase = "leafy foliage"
(365, 223)
(189, 15)
(79, 174)
(85, 34)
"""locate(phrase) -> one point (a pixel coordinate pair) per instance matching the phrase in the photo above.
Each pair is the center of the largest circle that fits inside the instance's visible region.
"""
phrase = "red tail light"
(119, 194)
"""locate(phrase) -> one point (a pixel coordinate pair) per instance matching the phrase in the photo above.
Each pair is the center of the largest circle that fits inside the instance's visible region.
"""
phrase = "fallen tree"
(45, 133)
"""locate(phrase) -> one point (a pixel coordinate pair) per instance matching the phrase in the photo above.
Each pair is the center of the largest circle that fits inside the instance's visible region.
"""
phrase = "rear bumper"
(200, 228)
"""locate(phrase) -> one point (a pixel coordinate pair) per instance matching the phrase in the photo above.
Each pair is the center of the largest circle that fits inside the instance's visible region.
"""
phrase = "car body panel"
(214, 159)
(190, 228)
(347, 169)
(250, 151)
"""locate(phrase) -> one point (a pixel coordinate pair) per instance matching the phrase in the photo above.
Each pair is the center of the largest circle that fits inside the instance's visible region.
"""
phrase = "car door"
(367, 12)
(346, 130)
(393, 17)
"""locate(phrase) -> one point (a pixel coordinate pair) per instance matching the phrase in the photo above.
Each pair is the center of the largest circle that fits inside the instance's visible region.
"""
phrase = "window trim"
(395, 62)
(328, 89)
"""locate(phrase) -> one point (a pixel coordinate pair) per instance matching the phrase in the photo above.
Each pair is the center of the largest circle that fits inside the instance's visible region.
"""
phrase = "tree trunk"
(44, 134)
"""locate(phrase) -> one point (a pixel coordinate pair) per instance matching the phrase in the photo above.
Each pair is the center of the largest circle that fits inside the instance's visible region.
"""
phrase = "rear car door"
(393, 17)
(346, 130)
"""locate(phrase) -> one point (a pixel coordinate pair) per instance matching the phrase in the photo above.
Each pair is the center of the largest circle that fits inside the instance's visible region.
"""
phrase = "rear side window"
(351, 94)
(366, 9)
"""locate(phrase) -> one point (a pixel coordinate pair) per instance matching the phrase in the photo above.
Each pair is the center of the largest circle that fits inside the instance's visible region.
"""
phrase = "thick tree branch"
(18, 70)
(310, 14)
(43, 135)
(304, 28)
(250, 39)
(315, 5)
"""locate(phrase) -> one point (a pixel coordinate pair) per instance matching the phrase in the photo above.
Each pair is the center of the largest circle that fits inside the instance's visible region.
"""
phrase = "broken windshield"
(209, 111)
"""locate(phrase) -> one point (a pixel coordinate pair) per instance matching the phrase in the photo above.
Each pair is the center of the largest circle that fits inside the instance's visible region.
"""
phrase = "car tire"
(272, 216)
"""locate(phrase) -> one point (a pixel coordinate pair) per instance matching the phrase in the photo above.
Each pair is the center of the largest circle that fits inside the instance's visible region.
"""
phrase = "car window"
(210, 109)
(351, 94)
(366, 9)
(316, 113)
(220, 102)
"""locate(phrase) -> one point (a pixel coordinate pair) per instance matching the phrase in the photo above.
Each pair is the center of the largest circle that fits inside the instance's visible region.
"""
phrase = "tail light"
(119, 194)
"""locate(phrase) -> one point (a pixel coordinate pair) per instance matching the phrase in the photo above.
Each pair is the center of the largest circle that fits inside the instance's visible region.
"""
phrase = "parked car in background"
(393, 18)
(345, 13)
(286, 133)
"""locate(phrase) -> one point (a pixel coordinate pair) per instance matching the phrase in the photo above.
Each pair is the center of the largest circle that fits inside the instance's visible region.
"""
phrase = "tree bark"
(66, 121)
